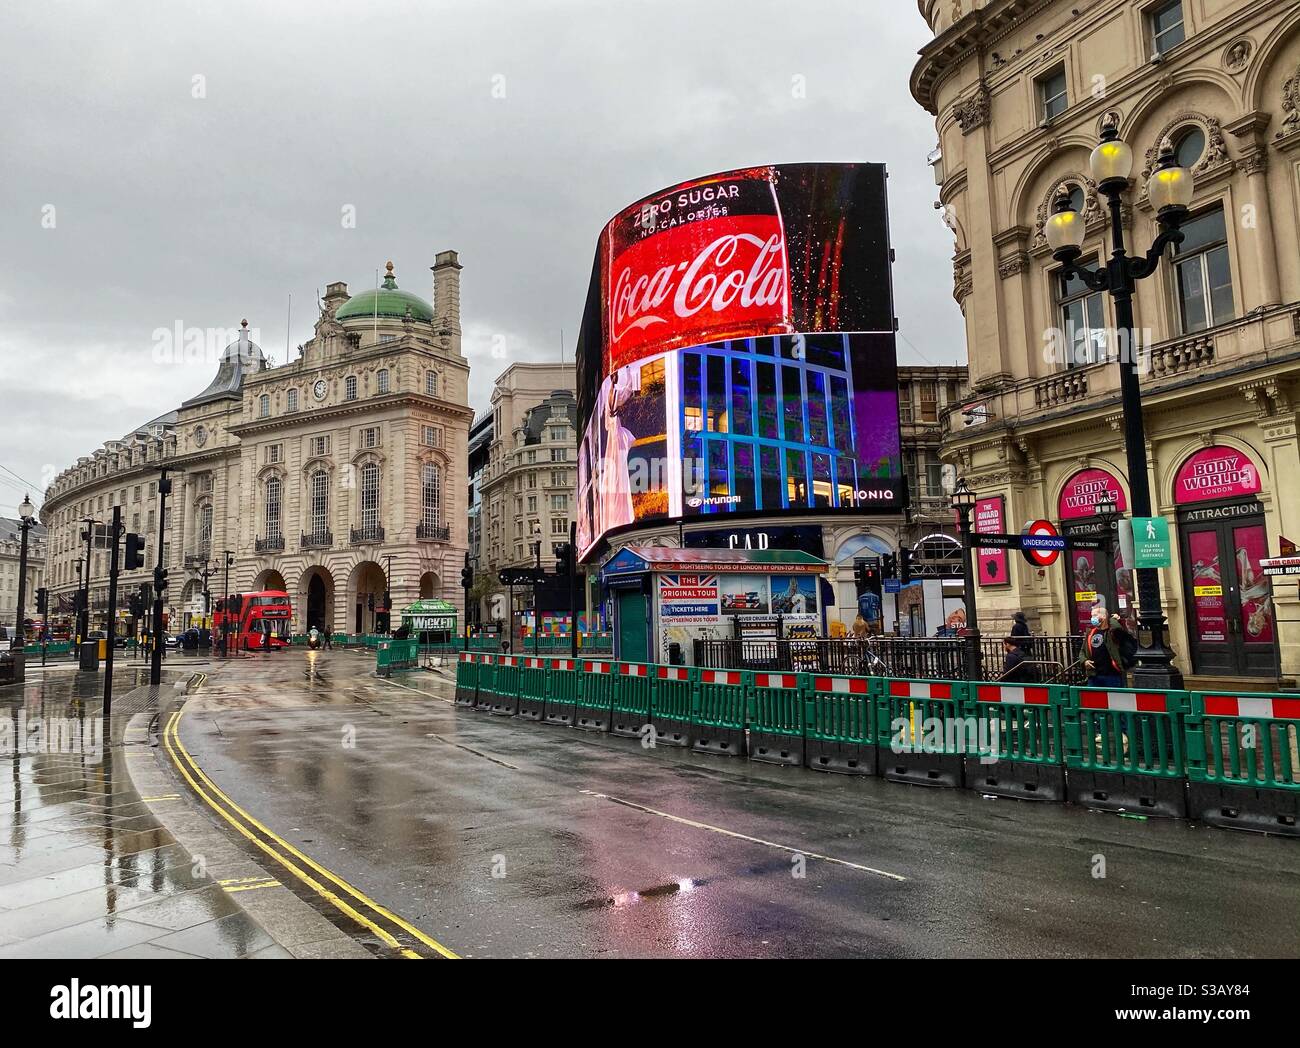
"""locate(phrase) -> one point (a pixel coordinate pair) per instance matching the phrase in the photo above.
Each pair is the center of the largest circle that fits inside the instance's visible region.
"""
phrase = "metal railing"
(316, 540)
(1050, 659)
(370, 533)
(270, 544)
(433, 532)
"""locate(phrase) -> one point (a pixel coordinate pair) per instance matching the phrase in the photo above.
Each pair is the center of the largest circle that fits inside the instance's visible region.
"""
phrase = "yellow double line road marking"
(367, 912)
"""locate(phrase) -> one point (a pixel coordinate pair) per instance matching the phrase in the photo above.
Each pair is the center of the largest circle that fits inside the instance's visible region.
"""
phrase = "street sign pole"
(114, 535)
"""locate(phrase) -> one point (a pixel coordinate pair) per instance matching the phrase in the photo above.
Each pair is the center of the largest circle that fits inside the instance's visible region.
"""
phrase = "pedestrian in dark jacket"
(1020, 630)
(1108, 651)
(1015, 667)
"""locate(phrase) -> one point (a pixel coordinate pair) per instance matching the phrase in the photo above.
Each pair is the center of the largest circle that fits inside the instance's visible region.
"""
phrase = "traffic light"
(860, 575)
(905, 565)
(467, 575)
(388, 601)
(564, 560)
(42, 602)
(370, 602)
(135, 605)
(888, 566)
(207, 601)
(159, 579)
(134, 551)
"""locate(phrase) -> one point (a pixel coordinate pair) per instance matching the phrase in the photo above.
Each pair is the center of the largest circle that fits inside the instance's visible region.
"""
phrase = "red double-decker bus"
(258, 621)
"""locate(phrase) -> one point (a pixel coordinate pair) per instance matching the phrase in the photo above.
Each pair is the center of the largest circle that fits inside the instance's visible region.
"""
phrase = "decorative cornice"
(1013, 265)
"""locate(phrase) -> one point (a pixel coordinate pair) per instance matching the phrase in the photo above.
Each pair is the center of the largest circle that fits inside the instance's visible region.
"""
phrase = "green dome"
(391, 302)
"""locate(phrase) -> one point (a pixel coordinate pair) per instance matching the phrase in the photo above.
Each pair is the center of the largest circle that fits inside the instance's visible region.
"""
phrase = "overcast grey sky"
(174, 209)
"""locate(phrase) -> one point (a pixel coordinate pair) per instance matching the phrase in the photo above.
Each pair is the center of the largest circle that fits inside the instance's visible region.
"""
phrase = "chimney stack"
(446, 291)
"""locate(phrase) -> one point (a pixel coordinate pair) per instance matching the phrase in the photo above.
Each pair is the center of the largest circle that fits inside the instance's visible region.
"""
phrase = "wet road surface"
(85, 869)
(507, 839)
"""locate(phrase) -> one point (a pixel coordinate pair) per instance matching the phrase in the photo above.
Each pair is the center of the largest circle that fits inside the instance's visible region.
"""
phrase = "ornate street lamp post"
(963, 501)
(26, 518)
(1170, 192)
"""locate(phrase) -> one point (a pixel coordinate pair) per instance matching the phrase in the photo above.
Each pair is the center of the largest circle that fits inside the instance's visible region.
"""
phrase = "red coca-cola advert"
(736, 354)
(701, 262)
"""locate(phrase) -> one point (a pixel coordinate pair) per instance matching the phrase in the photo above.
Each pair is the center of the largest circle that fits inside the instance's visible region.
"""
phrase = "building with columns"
(10, 561)
(1020, 90)
(527, 477)
(338, 476)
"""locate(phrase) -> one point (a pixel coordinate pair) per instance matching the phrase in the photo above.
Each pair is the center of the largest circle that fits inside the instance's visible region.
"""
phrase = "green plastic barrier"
(840, 724)
(1243, 761)
(1018, 735)
(1124, 750)
(396, 655)
(775, 712)
(487, 679)
(923, 734)
(533, 674)
(630, 708)
(672, 704)
(504, 701)
(562, 691)
(718, 719)
(592, 710)
(467, 670)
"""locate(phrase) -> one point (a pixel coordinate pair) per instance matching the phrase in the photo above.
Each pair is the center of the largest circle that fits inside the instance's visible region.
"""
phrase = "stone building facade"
(10, 559)
(1021, 90)
(527, 481)
(338, 476)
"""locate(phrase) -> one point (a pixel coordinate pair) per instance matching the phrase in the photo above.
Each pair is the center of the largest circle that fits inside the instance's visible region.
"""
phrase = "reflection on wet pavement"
(85, 869)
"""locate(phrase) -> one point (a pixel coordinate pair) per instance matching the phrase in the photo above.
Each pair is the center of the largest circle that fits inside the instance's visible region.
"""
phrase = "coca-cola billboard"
(755, 307)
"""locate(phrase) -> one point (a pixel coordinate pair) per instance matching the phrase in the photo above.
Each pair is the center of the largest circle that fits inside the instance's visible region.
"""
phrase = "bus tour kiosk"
(664, 599)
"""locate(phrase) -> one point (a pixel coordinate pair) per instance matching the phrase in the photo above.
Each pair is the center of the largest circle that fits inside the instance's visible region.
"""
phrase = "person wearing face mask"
(1108, 650)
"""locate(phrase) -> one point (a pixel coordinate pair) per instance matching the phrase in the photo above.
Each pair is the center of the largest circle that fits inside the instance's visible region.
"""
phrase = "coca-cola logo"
(703, 277)
(721, 274)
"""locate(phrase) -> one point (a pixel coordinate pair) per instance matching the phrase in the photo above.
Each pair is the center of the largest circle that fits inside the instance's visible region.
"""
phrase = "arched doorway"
(1222, 537)
(270, 579)
(430, 585)
(366, 587)
(316, 599)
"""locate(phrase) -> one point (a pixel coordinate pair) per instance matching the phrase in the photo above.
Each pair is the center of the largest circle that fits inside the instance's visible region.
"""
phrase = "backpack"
(1128, 648)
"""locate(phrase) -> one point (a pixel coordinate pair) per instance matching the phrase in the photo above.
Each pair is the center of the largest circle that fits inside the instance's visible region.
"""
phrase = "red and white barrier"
(1012, 695)
(466, 656)
(507, 660)
(1126, 701)
(562, 664)
(598, 667)
(776, 680)
(915, 689)
(720, 676)
(634, 669)
(536, 664)
(672, 673)
(842, 685)
(1254, 707)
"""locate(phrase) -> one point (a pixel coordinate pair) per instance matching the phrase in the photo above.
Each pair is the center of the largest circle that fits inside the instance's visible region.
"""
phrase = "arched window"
(271, 507)
(320, 502)
(291, 400)
(369, 496)
(381, 381)
(431, 383)
(350, 388)
(264, 405)
(431, 496)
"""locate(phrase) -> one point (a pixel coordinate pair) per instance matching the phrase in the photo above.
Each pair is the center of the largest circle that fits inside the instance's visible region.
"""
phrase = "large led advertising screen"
(736, 354)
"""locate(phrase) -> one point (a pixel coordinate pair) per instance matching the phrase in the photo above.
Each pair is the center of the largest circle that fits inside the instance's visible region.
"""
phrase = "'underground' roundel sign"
(1041, 543)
